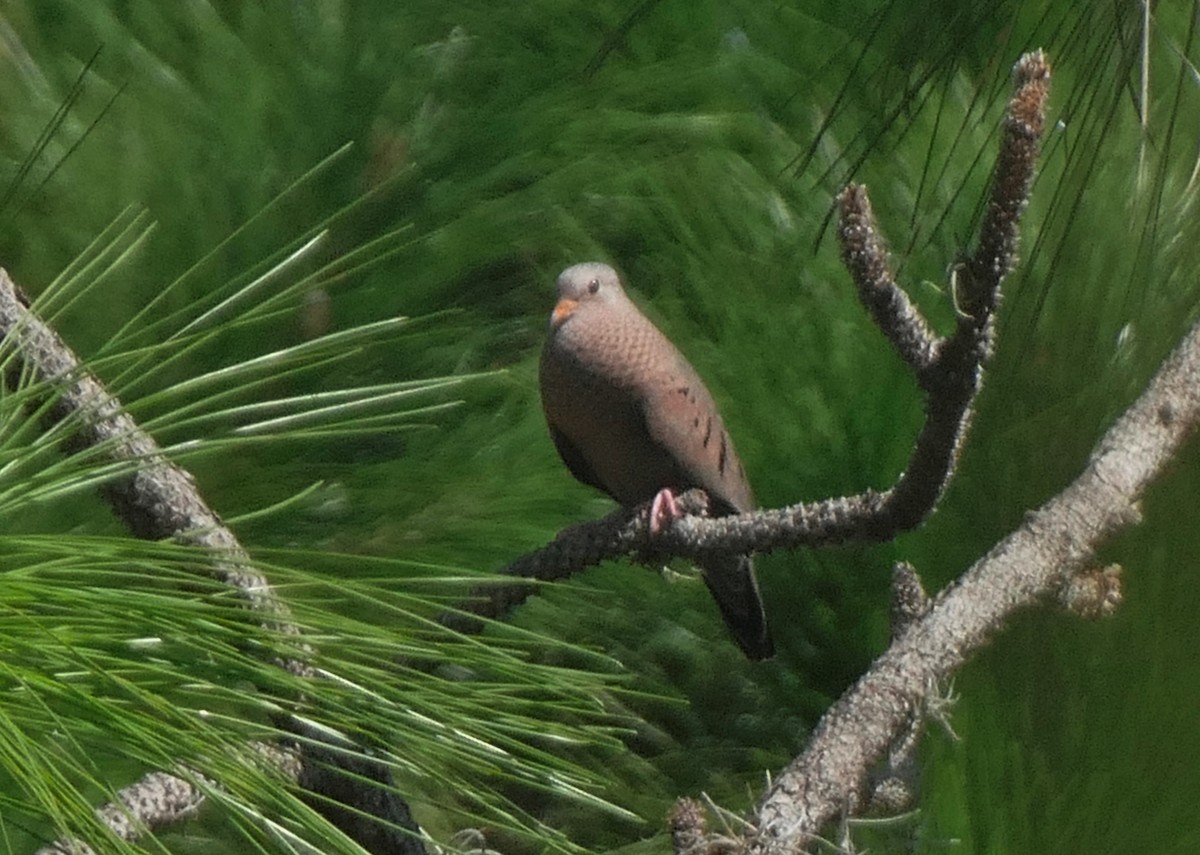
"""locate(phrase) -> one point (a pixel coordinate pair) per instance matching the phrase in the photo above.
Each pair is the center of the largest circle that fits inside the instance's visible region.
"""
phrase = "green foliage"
(240, 202)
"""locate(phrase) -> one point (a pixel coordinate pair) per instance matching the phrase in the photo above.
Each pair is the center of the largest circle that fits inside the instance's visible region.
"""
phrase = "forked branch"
(1045, 558)
(1049, 557)
(949, 370)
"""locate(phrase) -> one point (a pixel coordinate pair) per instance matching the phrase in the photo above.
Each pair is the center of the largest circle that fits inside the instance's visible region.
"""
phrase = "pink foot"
(663, 510)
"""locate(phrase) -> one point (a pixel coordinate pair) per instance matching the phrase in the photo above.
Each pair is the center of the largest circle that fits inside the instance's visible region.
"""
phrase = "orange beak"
(562, 311)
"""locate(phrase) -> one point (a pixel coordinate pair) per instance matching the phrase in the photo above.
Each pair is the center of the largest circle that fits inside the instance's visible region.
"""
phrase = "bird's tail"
(732, 583)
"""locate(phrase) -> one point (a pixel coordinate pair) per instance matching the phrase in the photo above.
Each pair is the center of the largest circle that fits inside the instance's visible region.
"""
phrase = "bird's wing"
(682, 418)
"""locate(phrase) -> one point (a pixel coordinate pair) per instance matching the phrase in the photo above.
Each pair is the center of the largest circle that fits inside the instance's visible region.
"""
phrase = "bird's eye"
(593, 286)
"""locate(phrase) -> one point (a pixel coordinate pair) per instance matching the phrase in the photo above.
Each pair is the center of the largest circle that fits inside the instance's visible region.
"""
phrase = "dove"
(631, 417)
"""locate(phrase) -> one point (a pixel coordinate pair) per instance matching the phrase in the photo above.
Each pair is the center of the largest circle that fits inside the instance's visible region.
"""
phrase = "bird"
(630, 416)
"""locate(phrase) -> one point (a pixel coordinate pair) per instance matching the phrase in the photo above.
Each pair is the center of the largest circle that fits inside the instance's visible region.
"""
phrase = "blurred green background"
(697, 147)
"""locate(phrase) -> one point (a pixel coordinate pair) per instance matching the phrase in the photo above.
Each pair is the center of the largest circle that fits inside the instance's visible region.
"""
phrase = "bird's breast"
(602, 415)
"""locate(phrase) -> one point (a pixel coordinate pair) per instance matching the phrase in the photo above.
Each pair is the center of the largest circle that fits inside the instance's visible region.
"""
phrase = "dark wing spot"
(723, 456)
(707, 432)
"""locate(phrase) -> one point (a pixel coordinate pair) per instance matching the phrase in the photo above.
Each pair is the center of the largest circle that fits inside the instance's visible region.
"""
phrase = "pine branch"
(1049, 556)
(157, 499)
(949, 370)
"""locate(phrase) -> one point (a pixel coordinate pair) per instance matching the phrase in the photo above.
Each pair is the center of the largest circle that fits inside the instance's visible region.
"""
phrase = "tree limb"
(949, 370)
(1055, 543)
(157, 499)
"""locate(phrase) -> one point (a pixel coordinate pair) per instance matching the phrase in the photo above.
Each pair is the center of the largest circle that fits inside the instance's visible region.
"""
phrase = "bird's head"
(583, 284)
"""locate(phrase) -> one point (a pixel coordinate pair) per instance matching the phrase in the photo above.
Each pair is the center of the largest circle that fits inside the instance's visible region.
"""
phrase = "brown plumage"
(630, 416)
